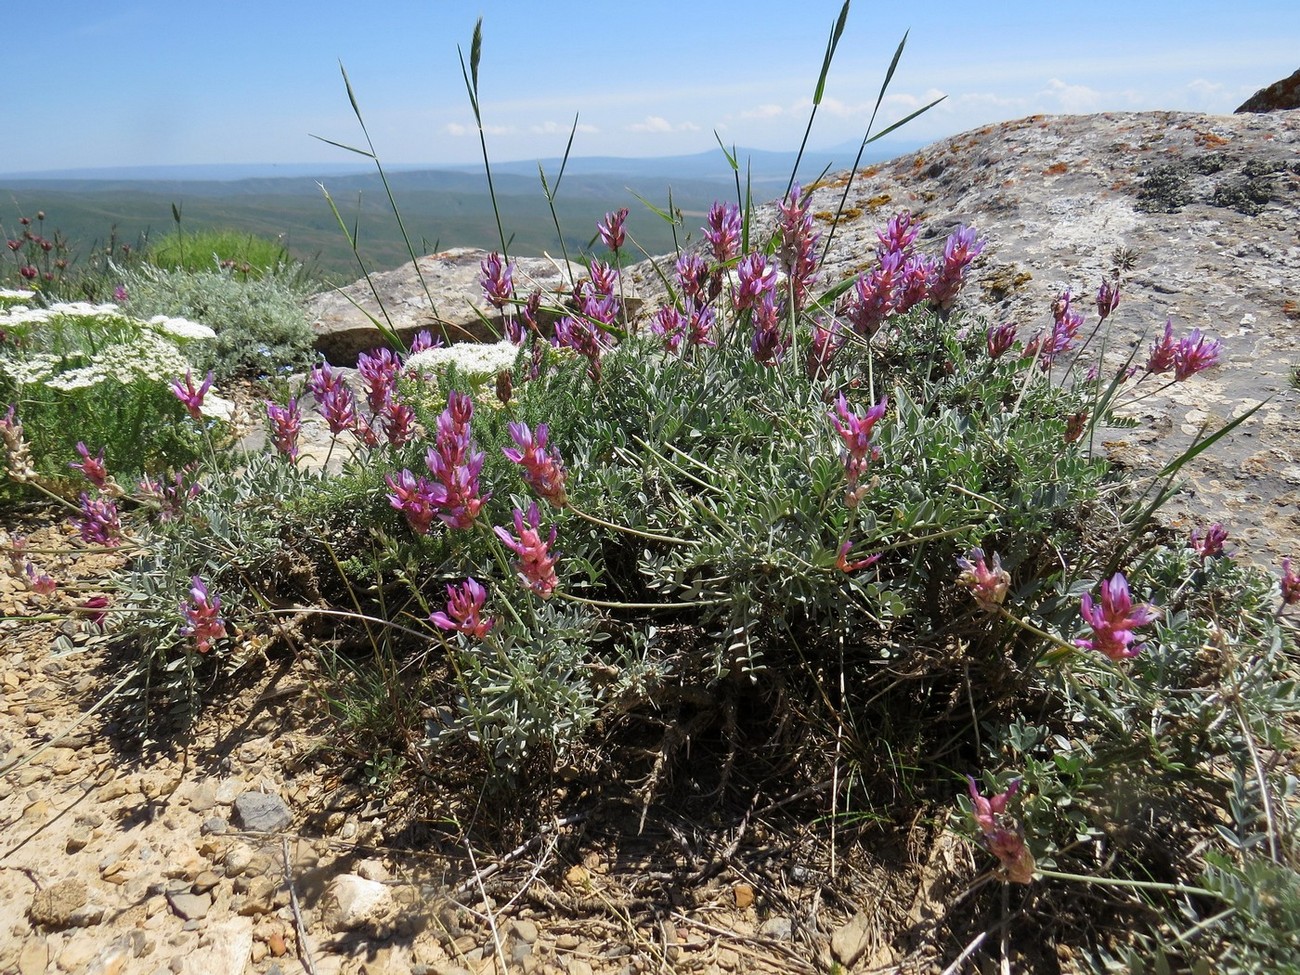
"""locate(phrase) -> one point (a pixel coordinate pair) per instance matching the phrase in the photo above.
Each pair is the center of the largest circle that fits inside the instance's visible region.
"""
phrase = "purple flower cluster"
(959, 251)
(464, 610)
(857, 433)
(542, 470)
(724, 231)
(798, 243)
(202, 613)
(611, 229)
(453, 494)
(286, 425)
(536, 563)
(1114, 619)
(100, 523)
(1208, 542)
(1186, 357)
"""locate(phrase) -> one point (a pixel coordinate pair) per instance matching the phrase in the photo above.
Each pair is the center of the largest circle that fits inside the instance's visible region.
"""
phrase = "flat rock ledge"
(439, 292)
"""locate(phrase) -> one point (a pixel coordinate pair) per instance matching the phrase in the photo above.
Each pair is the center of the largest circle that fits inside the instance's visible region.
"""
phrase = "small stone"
(355, 902)
(237, 859)
(851, 941)
(567, 942)
(372, 870)
(744, 895)
(276, 944)
(524, 930)
(205, 881)
(214, 826)
(34, 957)
(76, 842)
(190, 907)
(53, 906)
(78, 952)
(261, 812)
(115, 789)
(262, 895)
(777, 929)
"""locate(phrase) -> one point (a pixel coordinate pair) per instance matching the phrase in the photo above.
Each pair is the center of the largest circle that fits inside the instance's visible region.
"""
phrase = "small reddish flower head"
(202, 612)
(1114, 619)
(1207, 542)
(1290, 584)
(611, 229)
(988, 584)
(1001, 834)
(191, 397)
(464, 610)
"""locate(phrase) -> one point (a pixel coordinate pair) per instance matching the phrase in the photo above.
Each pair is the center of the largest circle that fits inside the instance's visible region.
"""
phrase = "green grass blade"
(831, 43)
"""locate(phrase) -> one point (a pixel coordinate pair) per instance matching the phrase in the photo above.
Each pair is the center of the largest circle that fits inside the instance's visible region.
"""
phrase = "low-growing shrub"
(260, 322)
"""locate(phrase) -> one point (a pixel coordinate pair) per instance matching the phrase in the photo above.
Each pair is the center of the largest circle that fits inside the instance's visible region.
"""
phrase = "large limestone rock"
(440, 292)
(1280, 96)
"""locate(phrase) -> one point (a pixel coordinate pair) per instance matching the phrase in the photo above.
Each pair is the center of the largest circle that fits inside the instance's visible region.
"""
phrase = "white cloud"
(457, 130)
(763, 111)
(652, 123)
(1072, 99)
(555, 128)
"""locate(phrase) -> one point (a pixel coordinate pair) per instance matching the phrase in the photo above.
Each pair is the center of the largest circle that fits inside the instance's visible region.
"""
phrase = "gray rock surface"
(1201, 209)
(260, 812)
(440, 292)
(1280, 96)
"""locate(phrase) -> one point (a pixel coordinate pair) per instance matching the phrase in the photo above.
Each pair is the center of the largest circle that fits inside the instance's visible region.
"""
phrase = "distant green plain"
(440, 210)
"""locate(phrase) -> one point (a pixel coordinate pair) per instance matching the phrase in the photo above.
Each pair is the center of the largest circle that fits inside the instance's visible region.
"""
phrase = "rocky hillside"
(1200, 214)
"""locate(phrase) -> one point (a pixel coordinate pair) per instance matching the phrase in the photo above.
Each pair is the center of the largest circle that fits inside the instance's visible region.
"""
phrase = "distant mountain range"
(764, 164)
(443, 207)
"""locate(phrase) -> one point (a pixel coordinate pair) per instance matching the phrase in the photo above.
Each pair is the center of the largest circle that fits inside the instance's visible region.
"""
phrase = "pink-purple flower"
(755, 277)
(723, 231)
(542, 469)
(999, 339)
(464, 610)
(1107, 298)
(959, 251)
(100, 523)
(1114, 619)
(1209, 541)
(848, 565)
(378, 370)
(286, 424)
(190, 396)
(611, 229)
(857, 434)
(417, 498)
(1000, 833)
(92, 468)
(1194, 354)
(202, 612)
(536, 563)
(1290, 584)
(987, 583)
(497, 280)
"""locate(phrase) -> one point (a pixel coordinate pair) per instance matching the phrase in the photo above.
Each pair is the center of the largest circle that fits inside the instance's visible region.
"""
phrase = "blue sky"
(159, 82)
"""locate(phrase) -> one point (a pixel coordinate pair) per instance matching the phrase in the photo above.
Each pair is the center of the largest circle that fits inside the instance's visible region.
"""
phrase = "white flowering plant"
(86, 373)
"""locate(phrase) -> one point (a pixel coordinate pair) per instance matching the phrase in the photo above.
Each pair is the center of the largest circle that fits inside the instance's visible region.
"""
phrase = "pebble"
(215, 826)
(261, 812)
(190, 907)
